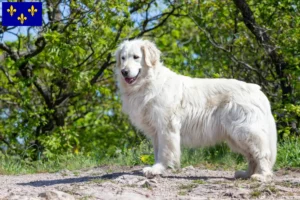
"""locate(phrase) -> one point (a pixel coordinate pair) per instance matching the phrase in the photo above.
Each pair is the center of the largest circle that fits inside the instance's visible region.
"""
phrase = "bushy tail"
(272, 130)
(273, 139)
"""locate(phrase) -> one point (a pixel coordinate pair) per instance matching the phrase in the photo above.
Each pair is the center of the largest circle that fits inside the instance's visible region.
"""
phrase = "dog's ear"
(118, 53)
(151, 53)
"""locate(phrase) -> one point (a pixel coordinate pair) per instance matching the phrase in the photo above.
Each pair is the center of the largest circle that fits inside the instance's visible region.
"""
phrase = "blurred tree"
(57, 87)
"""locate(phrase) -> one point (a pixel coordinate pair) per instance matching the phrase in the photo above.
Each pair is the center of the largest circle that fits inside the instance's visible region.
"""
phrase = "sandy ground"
(128, 183)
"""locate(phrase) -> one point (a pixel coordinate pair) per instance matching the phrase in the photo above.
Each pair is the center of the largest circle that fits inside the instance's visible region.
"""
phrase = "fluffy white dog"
(172, 109)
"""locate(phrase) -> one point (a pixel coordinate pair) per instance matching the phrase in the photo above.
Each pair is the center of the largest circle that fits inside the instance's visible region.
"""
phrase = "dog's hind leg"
(253, 144)
(251, 163)
(246, 174)
(167, 150)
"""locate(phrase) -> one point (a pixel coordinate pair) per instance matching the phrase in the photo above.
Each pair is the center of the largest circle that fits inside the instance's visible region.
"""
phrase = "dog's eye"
(136, 57)
(123, 58)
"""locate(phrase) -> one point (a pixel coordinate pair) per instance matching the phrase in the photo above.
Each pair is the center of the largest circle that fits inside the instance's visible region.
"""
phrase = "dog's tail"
(271, 129)
(273, 138)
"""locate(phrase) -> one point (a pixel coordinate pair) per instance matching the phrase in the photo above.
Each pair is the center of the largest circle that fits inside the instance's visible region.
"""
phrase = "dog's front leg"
(167, 153)
(155, 147)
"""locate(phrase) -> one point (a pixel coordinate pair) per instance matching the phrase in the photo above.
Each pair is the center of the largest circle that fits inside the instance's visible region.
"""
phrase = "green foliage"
(63, 99)
(288, 153)
(288, 119)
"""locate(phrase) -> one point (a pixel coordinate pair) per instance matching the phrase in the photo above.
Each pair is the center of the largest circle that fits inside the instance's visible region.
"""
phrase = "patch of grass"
(147, 186)
(64, 174)
(288, 153)
(217, 157)
(18, 165)
(141, 154)
(272, 189)
(256, 193)
(182, 193)
(263, 189)
(200, 182)
(130, 185)
(187, 187)
(184, 189)
(88, 197)
(76, 173)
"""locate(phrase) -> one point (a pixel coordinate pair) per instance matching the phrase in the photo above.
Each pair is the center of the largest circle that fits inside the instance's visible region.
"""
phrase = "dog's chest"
(140, 112)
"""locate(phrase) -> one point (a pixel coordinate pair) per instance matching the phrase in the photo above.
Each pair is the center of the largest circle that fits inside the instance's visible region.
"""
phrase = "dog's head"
(135, 58)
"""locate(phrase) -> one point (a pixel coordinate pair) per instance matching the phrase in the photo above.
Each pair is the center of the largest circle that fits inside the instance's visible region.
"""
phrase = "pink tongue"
(129, 80)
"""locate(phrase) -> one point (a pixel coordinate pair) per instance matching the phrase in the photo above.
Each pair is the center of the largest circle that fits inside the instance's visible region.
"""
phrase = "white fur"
(172, 109)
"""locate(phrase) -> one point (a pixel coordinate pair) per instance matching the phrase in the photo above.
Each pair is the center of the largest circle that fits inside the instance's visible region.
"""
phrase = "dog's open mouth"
(131, 80)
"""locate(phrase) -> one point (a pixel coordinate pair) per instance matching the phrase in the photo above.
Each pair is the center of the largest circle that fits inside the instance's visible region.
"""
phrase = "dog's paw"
(262, 178)
(155, 170)
(149, 172)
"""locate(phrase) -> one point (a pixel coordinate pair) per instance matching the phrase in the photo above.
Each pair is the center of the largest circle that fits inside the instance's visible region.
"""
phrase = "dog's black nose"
(125, 72)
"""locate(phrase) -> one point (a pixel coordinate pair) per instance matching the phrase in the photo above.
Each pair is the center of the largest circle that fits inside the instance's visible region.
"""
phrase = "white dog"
(172, 109)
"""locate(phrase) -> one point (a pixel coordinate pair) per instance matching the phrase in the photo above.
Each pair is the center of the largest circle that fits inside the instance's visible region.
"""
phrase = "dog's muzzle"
(129, 80)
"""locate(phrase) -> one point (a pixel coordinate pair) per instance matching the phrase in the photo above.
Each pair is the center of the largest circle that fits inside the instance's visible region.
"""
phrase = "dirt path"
(121, 183)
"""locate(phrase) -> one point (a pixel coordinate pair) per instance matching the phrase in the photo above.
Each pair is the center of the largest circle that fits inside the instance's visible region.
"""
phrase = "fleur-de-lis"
(22, 18)
(32, 10)
(11, 10)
